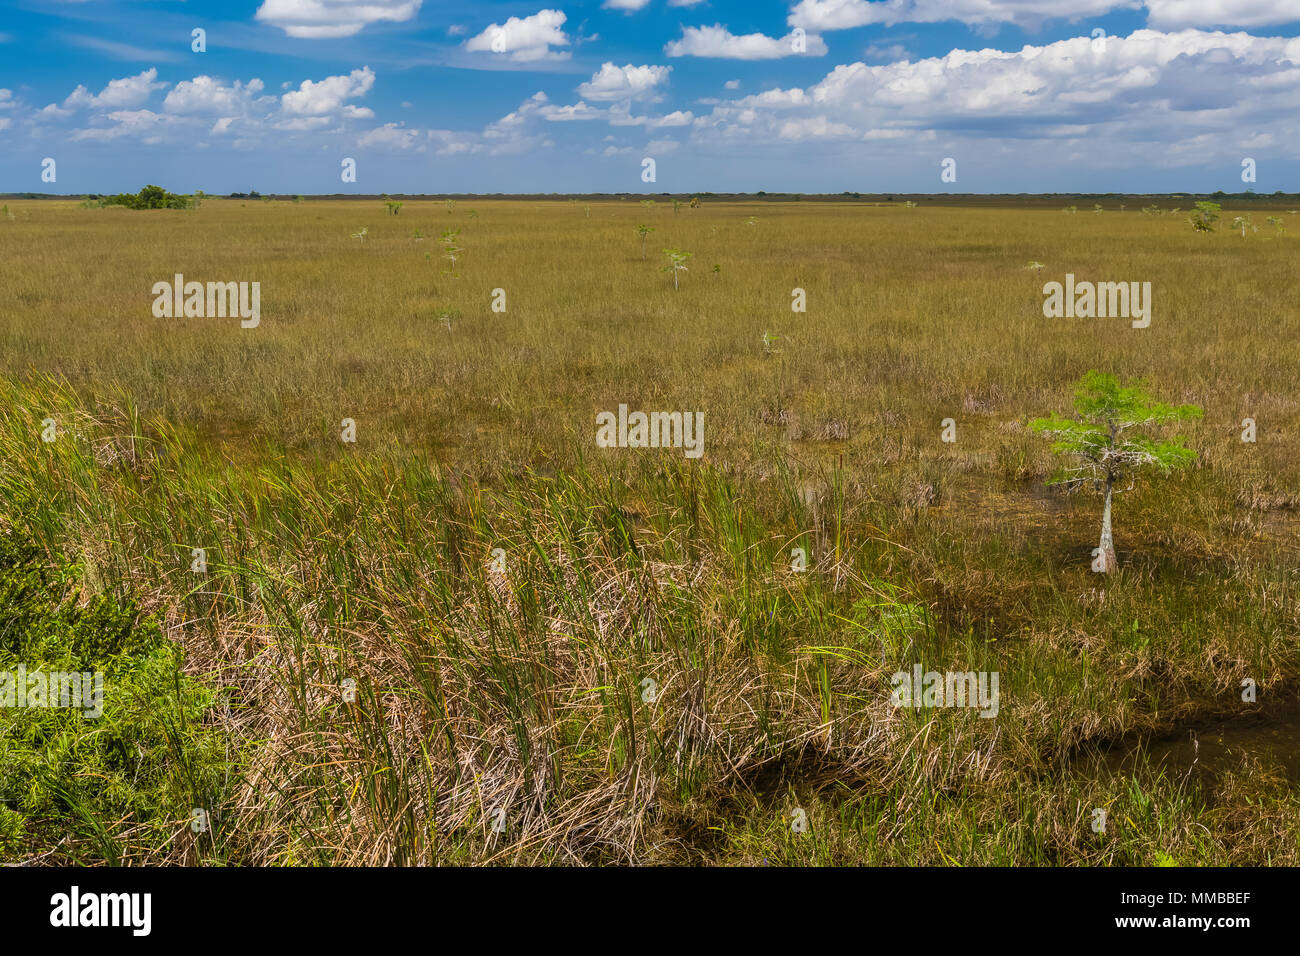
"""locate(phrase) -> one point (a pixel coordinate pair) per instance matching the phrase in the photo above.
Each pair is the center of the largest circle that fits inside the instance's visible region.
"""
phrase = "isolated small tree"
(1243, 223)
(676, 206)
(648, 203)
(643, 231)
(1102, 442)
(1276, 223)
(676, 262)
(1205, 216)
(361, 235)
(393, 206)
(450, 250)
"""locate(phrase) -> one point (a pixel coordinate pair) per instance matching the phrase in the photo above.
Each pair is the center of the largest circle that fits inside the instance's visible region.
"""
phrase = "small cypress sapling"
(448, 240)
(1243, 223)
(676, 262)
(1101, 440)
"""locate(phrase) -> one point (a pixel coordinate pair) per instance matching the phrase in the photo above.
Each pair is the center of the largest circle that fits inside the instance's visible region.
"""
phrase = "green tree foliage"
(1103, 443)
(151, 197)
(1205, 216)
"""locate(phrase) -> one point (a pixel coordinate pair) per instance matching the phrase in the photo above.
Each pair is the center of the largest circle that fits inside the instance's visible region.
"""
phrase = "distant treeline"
(977, 199)
(155, 197)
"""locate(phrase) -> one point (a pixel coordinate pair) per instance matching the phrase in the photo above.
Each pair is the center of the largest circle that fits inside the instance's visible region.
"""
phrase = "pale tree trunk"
(1107, 545)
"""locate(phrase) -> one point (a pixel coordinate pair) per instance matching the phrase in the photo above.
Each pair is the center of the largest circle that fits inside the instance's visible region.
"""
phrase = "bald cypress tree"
(1104, 444)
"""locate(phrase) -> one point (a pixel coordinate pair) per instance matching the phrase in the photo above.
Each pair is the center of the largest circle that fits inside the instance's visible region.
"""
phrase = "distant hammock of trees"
(151, 197)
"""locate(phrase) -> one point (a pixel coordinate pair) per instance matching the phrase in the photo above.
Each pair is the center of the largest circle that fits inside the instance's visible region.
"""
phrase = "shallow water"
(1211, 746)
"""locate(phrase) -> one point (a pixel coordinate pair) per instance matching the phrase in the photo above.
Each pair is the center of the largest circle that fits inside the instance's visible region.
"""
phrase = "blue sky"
(802, 96)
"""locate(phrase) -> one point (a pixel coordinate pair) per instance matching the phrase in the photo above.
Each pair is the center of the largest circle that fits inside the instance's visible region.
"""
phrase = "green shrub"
(106, 788)
(151, 197)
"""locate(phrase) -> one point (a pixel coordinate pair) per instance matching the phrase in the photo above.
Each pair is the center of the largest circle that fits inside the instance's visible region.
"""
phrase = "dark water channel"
(1210, 746)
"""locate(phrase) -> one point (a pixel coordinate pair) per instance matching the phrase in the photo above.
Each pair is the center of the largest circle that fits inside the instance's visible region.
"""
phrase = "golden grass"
(476, 432)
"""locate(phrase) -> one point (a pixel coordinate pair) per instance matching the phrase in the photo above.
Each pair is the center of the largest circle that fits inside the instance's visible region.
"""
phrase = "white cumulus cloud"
(1189, 97)
(144, 124)
(524, 40)
(1221, 13)
(392, 136)
(659, 147)
(128, 92)
(718, 42)
(578, 111)
(327, 96)
(325, 19)
(845, 14)
(203, 94)
(612, 82)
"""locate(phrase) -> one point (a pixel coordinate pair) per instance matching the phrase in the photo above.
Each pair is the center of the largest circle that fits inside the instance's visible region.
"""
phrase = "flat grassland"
(648, 680)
